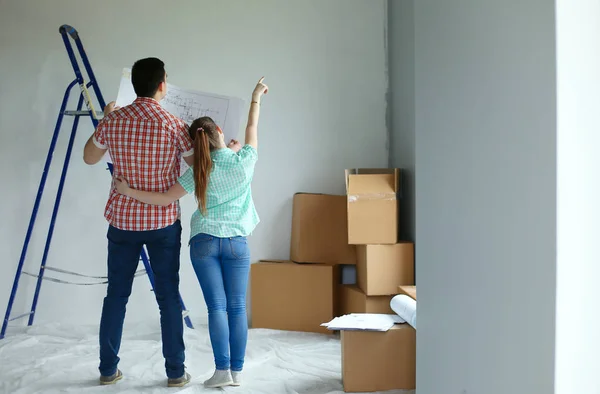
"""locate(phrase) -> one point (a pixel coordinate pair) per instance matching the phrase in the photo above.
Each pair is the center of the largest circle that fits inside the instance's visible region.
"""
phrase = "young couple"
(146, 145)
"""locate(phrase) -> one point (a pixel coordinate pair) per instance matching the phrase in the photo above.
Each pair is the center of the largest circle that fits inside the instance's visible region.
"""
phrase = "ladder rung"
(20, 316)
(79, 113)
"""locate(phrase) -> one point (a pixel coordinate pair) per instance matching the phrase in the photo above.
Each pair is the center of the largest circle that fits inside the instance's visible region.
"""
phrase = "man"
(146, 144)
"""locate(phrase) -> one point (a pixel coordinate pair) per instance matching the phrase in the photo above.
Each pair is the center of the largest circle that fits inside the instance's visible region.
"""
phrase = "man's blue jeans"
(124, 249)
(222, 266)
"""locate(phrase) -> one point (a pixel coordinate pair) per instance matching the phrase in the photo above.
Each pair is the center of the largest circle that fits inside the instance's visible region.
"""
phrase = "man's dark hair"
(146, 76)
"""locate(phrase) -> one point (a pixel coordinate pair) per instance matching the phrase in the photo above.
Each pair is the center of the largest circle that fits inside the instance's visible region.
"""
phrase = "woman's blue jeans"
(222, 266)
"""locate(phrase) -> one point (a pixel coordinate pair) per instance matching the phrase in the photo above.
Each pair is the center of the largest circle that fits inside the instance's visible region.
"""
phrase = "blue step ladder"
(66, 31)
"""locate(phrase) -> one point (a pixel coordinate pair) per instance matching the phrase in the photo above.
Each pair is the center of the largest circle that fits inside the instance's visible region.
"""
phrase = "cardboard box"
(354, 300)
(410, 291)
(293, 297)
(320, 230)
(379, 361)
(382, 268)
(372, 205)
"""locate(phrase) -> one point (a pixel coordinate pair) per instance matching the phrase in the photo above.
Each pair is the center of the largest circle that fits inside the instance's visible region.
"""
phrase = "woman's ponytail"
(202, 167)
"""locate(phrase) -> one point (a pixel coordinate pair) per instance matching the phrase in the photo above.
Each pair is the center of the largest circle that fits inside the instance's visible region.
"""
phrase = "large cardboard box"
(354, 300)
(373, 205)
(379, 361)
(293, 297)
(320, 230)
(382, 268)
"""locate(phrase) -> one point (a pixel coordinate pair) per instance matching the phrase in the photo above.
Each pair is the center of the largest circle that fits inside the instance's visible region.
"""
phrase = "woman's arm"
(153, 198)
(253, 114)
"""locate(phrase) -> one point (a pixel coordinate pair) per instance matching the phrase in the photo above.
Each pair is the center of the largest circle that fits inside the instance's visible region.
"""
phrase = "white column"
(578, 212)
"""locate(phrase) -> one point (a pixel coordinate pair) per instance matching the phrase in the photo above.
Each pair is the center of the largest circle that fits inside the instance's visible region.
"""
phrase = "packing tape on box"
(372, 197)
(406, 308)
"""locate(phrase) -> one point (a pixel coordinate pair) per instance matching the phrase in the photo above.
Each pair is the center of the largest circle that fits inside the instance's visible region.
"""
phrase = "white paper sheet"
(406, 308)
(126, 94)
(189, 105)
(363, 322)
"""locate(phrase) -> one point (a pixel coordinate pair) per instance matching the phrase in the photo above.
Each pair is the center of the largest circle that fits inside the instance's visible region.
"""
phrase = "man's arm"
(184, 142)
(92, 153)
(96, 147)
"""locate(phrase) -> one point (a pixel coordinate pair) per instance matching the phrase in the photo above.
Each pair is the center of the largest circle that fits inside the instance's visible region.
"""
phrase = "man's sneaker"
(112, 379)
(179, 382)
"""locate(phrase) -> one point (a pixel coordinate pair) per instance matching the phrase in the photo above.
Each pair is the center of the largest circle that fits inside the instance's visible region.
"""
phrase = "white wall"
(486, 196)
(324, 62)
(578, 191)
(401, 44)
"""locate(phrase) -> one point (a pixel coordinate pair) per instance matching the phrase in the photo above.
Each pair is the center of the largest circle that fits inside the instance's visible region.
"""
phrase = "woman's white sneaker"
(237, 378)
(220, 378)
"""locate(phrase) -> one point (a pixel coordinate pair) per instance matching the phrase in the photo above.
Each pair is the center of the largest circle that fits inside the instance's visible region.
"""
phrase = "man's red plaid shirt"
(146, 144)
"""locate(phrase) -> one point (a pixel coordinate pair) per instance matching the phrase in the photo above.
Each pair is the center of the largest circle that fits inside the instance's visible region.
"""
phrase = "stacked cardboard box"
(320, 230)
(380, 361)
(373, 361)
(383, 263)
(345, 257)
(301, 294)
(294, 297)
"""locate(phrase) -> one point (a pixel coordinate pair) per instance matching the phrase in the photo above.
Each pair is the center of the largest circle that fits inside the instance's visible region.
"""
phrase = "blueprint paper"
(188, 105)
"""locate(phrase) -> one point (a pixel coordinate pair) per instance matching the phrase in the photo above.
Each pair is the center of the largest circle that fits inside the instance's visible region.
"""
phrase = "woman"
(220, 180)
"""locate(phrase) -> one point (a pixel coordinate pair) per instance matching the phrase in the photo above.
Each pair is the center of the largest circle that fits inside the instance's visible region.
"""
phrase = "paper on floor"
(364, 322)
